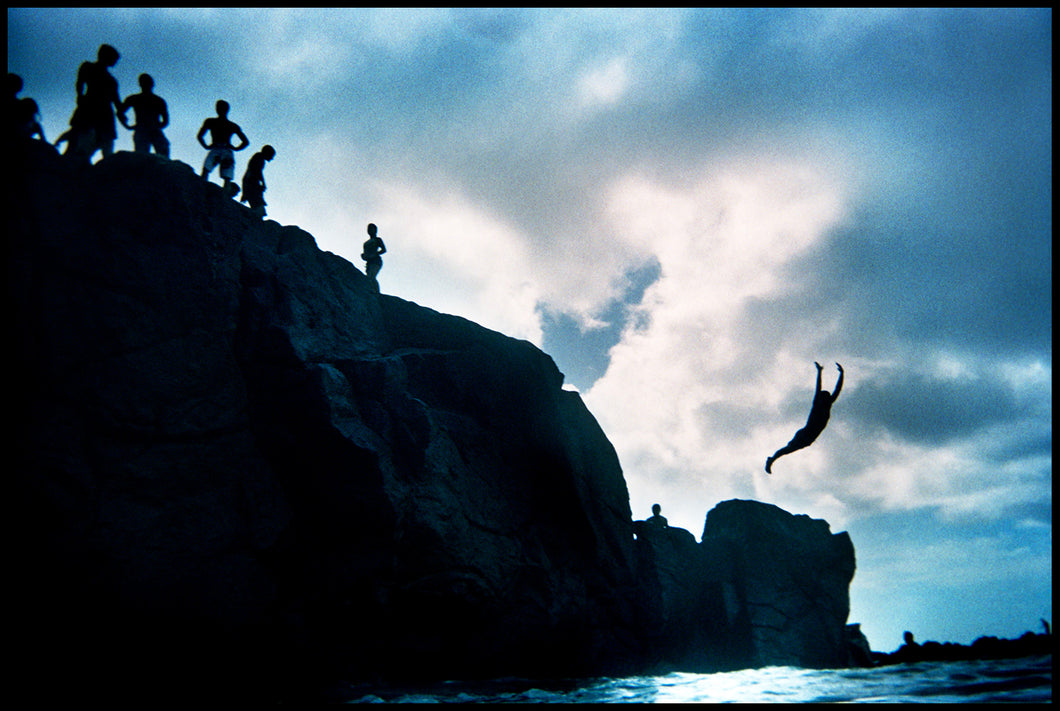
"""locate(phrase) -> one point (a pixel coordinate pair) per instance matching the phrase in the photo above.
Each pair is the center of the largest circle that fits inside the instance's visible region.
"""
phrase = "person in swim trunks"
(152, 115)
(220, 147)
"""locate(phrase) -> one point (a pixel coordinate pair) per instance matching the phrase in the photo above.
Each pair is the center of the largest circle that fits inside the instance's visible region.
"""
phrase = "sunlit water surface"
(1006, 680)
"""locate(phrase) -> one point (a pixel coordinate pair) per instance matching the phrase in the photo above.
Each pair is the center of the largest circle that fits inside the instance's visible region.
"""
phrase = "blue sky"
(686, 208)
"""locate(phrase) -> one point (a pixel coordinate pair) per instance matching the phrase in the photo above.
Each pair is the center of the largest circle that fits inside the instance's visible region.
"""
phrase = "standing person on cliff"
(152, 115)
(820, 411)
(220, 146)
(97, 100)
(371, 253)
(254, 180)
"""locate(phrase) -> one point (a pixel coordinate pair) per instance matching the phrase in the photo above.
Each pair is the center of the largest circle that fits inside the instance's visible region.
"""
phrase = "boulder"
(762, 588)
(792, 578)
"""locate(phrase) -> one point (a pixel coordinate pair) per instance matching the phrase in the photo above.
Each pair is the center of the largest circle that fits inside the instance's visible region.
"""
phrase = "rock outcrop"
(763, 587)
(239, 468)
(1029, 644)
(792, 576)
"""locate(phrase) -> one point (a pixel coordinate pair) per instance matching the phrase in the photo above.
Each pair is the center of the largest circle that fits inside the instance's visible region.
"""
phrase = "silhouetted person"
(911, 651)
(220, 146)
(254, 180)
(657, 522)
(23, 115)
(152, 115)
(372, 255)
(1045, 625)
(97, 99)
(78, 139)
(815, 423)
(14, 85)
(27, 120)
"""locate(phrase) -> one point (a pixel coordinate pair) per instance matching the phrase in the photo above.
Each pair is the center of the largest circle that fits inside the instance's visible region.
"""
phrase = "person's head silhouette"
(14, 84)
(222, 108)
(147, 83)
(107, 55)
(371, 229)
(268, 151)
(656, 509)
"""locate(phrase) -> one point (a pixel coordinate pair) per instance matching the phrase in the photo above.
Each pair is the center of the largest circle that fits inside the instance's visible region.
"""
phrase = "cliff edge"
(240, 469)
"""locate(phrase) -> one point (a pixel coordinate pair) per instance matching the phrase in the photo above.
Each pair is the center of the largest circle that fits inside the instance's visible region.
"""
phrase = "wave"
(983, 681)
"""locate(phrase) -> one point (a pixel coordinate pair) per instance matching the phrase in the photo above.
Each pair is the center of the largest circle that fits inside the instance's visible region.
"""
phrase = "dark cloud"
(1032, 439)
(927, 410)
(957, 250)
(494, 25)
(895, 278)
(790, 63)
(177, 51)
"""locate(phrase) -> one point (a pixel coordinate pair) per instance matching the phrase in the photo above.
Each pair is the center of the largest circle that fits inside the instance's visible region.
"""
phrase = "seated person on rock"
(657, 522)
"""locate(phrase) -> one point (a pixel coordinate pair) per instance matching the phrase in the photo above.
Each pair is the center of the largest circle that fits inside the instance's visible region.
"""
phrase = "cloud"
(580, 346)
(462, 256)
(400, 31)
(923, 407)
(684, 394)
(604, 85)
(987, 476)
(705, 381)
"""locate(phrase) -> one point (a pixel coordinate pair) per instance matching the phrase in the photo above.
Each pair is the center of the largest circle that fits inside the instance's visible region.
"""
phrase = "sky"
(686, 209)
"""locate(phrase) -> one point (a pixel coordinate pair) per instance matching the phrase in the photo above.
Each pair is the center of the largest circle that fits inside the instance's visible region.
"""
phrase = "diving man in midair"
(815, 423)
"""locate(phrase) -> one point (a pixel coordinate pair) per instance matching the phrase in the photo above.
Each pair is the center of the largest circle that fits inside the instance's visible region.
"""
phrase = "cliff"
(240, 469)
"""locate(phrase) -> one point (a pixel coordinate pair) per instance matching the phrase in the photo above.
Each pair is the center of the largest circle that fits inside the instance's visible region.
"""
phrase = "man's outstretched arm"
(838, 383)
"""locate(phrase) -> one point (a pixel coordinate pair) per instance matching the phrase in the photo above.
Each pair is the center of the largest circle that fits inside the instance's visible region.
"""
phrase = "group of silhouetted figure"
(93, 128)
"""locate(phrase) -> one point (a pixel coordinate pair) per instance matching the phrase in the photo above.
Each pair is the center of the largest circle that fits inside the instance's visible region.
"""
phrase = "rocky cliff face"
(238, 465)
(225, 426)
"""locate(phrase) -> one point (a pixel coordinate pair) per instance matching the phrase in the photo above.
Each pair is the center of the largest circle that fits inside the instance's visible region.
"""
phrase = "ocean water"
(1026, 680)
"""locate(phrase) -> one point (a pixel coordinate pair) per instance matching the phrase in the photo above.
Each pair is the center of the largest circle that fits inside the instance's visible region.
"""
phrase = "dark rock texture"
(763, 587)
(792, 577)
(224, 434)
(238, 470)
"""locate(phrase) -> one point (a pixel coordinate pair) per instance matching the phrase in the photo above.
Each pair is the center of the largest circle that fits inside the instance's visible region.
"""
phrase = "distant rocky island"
(1029, 644)
(243, 472)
